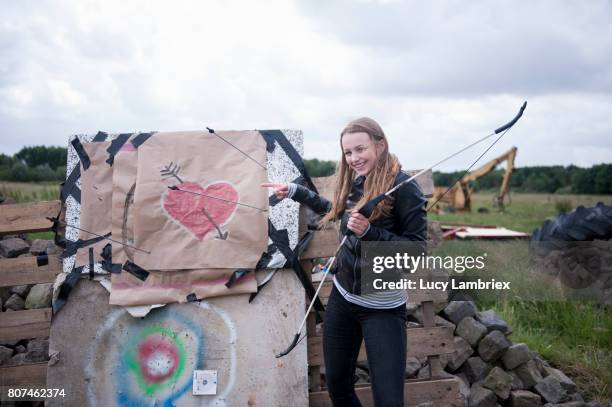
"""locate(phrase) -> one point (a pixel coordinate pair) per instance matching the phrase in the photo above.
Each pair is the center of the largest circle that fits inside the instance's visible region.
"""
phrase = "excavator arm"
(463, 197)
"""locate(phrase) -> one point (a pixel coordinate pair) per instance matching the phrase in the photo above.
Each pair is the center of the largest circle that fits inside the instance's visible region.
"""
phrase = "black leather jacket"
(407, 221)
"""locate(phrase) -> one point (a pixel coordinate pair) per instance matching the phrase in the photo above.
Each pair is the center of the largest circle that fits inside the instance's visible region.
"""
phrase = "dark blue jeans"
(384, 333)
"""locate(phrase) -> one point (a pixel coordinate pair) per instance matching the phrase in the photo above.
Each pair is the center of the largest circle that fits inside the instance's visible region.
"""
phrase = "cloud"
(437, 75)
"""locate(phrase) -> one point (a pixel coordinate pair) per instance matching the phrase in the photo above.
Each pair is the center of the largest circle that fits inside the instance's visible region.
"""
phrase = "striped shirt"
(379, 300)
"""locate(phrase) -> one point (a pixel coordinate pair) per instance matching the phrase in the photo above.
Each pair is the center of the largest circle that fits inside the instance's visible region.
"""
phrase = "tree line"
(34, 164)
(543, 179)
(43, 163)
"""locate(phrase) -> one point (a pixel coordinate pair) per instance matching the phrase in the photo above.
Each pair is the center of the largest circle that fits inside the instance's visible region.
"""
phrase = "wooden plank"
(25, 270)
(421, 342)
(28, 217)
(443, 393)
(326, 186)
(33, 323)
(30, 376)
(323, 244)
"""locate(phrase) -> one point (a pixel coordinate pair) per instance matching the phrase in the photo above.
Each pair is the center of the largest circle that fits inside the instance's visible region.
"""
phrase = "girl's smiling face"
(361, 152)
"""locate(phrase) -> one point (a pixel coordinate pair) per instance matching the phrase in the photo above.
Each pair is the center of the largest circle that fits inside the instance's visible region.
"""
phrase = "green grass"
(29, 192)
(525, 213)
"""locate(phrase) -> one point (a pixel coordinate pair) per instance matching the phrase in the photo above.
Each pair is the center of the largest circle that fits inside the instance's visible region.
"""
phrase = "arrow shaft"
(102, 236)
(217, 198)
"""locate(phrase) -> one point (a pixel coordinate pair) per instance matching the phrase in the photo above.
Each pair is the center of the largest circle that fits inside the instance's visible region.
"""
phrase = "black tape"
(236, 276)
(76, 143)
(101, 136)
(72, 247)
(91, 264)
(291, 152)
(280, 238)
(115, 146)
(107, 260)
(135, 270)
(140, 139)
(66, 288)
(42, 260)
(69, 186)
(192, 297)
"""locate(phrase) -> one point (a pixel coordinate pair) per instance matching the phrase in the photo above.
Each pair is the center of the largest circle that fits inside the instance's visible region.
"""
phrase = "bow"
(369, 207)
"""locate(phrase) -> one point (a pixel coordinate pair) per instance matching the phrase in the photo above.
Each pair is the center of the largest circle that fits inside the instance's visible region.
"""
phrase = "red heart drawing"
(190, 210)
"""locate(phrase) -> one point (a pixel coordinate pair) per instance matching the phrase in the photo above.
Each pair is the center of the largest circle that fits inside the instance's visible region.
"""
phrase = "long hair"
(378, 181)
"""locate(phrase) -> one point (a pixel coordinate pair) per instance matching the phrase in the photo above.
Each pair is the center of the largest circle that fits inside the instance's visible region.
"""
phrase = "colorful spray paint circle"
(156, 358)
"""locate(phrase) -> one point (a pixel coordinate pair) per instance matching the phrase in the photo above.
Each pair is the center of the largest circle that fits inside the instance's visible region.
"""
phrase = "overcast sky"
(436, 75)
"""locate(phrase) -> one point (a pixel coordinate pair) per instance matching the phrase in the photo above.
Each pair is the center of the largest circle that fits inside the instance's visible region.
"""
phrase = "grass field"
(573, 336)
(524, 213)
(29, 192)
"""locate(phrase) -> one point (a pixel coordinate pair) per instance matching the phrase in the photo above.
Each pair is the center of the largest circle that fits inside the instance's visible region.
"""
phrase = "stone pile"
(493, 371)
(24, 297)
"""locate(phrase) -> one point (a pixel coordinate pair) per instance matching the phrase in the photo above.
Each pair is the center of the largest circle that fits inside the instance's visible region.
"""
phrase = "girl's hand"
(358, 223)
(280, 189)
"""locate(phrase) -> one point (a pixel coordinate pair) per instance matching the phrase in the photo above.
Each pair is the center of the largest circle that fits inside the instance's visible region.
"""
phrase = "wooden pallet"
(34, 323)
(428, 341)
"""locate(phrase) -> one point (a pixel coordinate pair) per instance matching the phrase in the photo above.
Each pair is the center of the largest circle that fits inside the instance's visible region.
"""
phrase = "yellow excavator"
(459, 196)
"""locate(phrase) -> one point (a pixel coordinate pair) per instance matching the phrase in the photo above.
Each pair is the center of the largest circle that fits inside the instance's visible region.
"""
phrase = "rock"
(475, 369)
(362, 376)
(540, 363)
(40, 296)
(17, 360)
(471, 330)
(439, 321)
(481, 397)
(455, 311)
(550, 389)
(493, 322)
(20, 349)
(426, 404)
(516, 354)
(575, 396)
(464, 386)
(412, 367)
(565, 381)
(411, 307)
(5, 354)
(517, 383)
(499, 382)
(15, 303)
(524, 398)
(13, 247)
(5, 293)
(21, 290)
(462, 352)
(38, 350)
(528, 373)
(492, 346)
(40, 246)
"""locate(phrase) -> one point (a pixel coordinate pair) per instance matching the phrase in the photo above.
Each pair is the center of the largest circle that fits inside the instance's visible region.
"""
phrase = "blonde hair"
(377, 182)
